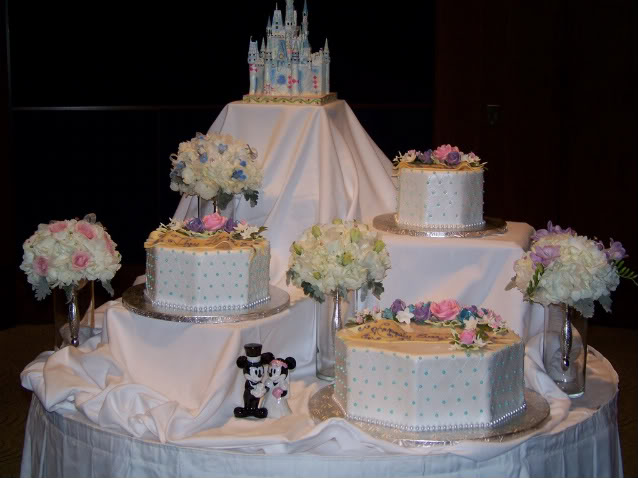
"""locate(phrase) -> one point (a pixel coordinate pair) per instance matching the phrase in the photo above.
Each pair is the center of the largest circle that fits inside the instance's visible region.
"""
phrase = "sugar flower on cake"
(445, 156)
(216, 166)
(344, 255)
(470, 326)
(214, 225)
(562, 267)
(64, 253)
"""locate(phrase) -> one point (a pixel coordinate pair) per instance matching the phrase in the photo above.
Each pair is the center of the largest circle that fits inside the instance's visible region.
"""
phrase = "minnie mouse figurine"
(276, 401)
(252, 365)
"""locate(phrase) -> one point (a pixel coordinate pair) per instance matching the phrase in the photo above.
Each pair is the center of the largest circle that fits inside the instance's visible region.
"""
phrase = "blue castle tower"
(285, 64)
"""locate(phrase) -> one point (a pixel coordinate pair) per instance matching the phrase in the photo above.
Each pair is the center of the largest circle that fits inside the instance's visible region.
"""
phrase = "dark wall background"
(99, 96)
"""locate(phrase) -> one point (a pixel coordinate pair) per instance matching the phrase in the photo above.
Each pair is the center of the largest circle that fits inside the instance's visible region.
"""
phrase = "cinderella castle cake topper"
(284, 69)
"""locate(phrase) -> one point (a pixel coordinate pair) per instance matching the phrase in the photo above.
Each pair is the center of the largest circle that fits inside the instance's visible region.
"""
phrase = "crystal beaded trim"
(434, 428)
(457, 227)
(206, 308)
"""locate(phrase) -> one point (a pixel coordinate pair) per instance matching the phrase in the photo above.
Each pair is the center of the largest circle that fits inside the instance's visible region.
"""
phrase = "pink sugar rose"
(80, 259)
(214, 222)
(442, 151)
(467, 336)
(85, 229)
(277, 392)
(58, 226)
(41, 265)
(446, 309)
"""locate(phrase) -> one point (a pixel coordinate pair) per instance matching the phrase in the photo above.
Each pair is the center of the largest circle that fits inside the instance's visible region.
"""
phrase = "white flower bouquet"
(63, 253)
(339, 256)
(216, 166)
(562, 267)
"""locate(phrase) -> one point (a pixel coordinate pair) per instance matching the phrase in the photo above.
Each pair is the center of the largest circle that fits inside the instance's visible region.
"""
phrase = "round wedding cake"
(461, 373)
(441, 189)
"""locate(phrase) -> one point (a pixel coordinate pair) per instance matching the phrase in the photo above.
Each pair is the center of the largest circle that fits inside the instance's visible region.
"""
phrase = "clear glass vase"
(330, 318)
(565, 348)
(205, 207)
(69, 310)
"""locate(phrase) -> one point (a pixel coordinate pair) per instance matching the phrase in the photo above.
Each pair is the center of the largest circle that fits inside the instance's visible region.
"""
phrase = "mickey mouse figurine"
(276, 401)
(252, 365)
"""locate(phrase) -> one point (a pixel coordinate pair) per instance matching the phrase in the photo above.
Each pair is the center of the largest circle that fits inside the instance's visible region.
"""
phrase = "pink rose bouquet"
(63, 253)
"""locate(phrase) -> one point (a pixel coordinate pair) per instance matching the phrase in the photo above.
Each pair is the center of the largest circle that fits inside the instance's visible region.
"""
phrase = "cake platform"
(388, 223)
(318, 100)
(135, 300)
(322, 406)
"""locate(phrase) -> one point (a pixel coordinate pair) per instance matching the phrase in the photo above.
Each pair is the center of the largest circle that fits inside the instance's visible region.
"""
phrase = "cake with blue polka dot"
(208, 264)
(429, 366)
(440, 189)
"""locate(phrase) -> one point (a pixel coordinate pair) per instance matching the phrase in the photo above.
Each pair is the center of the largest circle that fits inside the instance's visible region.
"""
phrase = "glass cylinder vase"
(68, 311)
(206, 207)
(327, 327)
(565, 348)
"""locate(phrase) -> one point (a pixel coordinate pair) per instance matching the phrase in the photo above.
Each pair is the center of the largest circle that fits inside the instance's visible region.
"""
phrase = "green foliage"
(625, 272)
(223, 199)
(533, 284)
(251, 196)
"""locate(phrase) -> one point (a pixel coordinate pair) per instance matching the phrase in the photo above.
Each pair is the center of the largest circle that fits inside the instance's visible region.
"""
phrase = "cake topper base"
(322, 406)
(388, 223)
(134, 299)
(319, 100)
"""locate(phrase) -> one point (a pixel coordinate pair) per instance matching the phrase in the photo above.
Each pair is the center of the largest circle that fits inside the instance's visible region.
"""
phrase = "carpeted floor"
(19, 345)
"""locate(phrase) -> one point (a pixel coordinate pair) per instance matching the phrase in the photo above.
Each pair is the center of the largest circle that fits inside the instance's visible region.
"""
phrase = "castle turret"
(294, 68)
(326, 75)
(269, 28)
(254, 69)
(304, 21)
(278, 24)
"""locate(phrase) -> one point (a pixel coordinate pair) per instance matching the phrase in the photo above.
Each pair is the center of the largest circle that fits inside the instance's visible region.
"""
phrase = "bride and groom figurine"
(266, 389)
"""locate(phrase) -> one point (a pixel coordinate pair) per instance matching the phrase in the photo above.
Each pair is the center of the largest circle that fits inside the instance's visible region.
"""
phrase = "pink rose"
(277, 392)
(446, 309)
(41, 265)
(109, 244)
(467, 336)
(80, 259)
(58, 226)
(442, 151)
(214, 222)
(85, 229)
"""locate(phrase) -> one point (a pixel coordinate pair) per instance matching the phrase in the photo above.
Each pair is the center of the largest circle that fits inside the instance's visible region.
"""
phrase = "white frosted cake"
(201, 272)
(409, 377)
(442, 189)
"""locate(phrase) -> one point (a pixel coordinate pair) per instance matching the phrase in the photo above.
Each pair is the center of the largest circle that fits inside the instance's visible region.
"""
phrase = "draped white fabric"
(145, 397)
(319, 164)
(580, 439)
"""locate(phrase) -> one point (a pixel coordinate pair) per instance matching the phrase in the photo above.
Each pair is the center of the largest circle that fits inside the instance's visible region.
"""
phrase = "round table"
(583, 443)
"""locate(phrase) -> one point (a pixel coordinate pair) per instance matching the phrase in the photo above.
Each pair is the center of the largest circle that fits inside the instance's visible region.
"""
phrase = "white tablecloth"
(319, 163)
(579, 439)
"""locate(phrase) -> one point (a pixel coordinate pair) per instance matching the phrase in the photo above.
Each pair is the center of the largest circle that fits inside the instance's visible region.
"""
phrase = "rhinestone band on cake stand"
(136, 301)
(388, 223)
(323, 406)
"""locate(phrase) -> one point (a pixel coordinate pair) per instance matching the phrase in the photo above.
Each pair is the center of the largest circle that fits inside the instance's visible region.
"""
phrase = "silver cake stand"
(136, 301)
(322, 406)
(388, 223)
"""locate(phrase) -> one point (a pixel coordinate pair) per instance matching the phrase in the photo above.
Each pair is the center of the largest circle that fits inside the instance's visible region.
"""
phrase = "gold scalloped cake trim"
(291, 100)
(219, 241)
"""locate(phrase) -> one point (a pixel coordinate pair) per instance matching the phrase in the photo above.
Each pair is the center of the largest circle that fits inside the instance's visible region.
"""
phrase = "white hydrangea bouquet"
(63, 253)
(339, 256)
(562, 267)
(216, 166)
